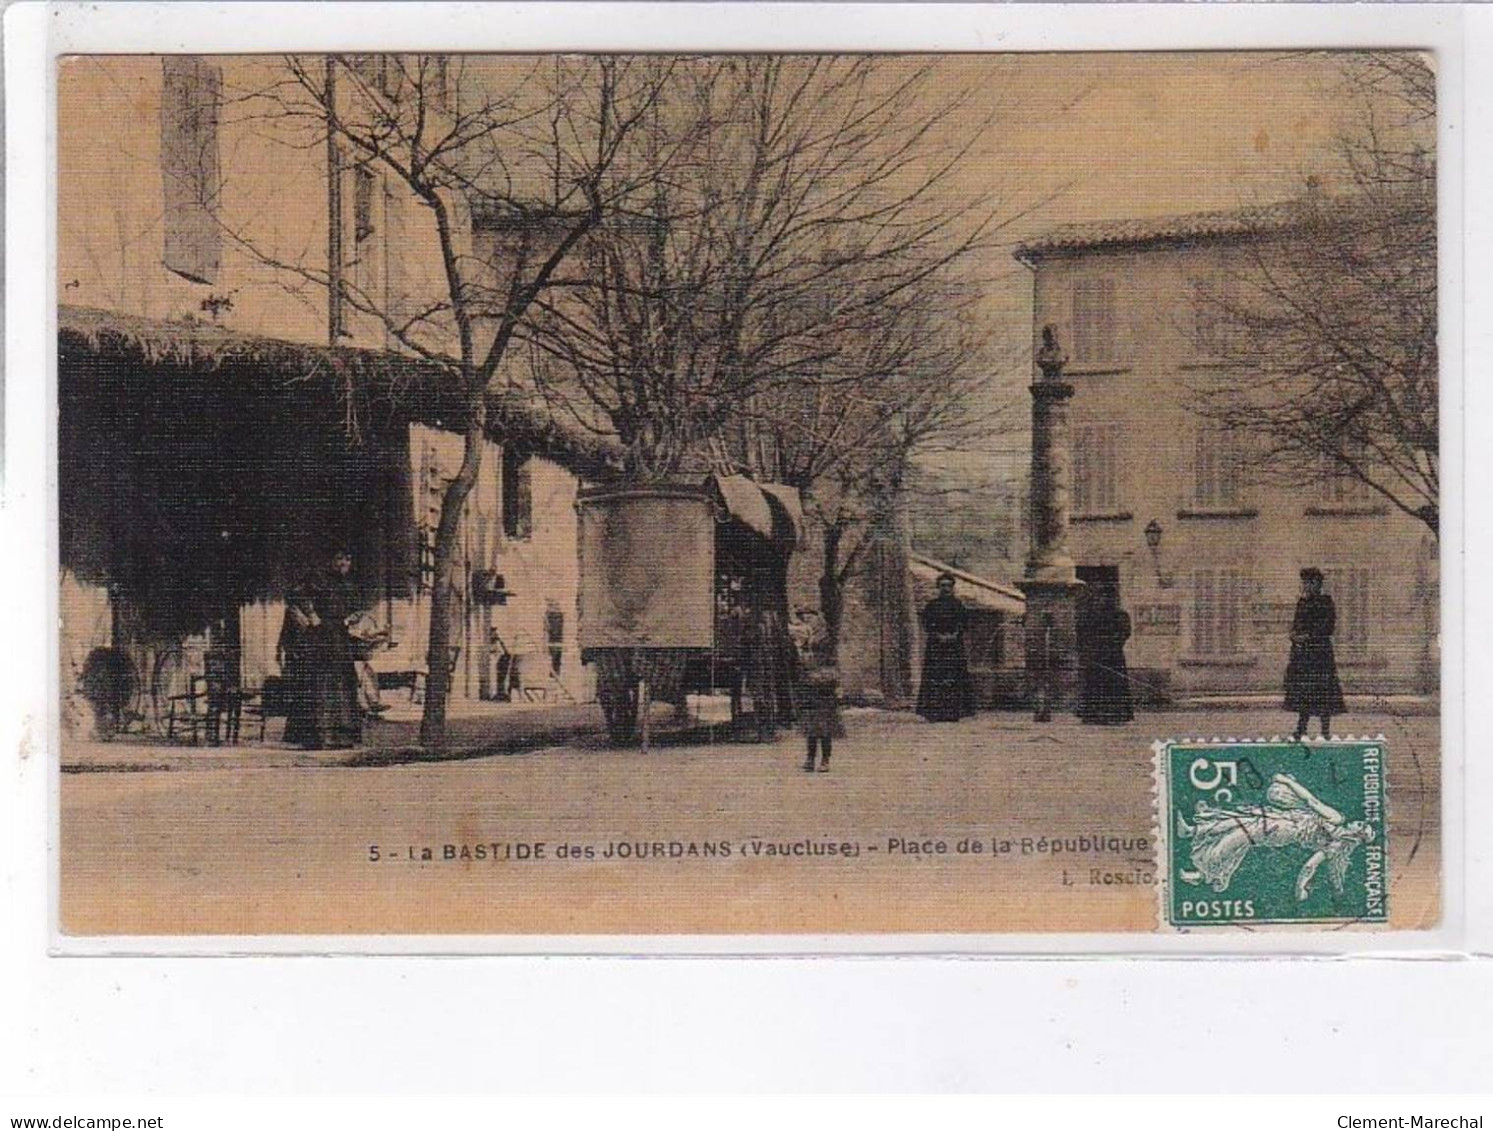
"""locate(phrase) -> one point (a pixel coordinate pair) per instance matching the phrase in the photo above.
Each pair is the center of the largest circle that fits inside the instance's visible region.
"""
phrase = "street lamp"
(1153, 542)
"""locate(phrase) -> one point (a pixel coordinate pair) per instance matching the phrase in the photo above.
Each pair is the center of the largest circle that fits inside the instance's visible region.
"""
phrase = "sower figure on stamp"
(818, 706)
(947, 693)
(1312, 686)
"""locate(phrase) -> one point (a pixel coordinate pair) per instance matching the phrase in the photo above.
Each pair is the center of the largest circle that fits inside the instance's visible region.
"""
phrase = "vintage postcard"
(737, 495)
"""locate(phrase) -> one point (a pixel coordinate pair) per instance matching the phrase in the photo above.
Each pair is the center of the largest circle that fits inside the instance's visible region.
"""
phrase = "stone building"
(1207, 561)
(220, 427)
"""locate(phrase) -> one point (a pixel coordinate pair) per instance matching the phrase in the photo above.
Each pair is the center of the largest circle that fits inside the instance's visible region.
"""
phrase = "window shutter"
(191, 93)
(1202, 612)
(364, 183)
(1082, 453)
(1203, 468)
(1111, 449)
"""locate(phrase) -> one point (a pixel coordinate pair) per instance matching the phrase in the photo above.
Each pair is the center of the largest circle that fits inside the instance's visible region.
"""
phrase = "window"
(1096, 464)
(1339, 487)
(554, 635)
(1217, 469)
(438, 80)
(365, 186)
(518, 494)
(1218, 598)
(191, 94)
(1351, 595)
(1213, 312)
(1094, 322)
(379, 72)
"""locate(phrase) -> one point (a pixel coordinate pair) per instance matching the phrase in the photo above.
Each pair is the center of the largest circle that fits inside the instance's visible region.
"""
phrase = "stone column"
(1050, 583)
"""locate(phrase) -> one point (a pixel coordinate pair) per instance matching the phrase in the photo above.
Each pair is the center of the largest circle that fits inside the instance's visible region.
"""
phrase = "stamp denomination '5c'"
(1273, 832)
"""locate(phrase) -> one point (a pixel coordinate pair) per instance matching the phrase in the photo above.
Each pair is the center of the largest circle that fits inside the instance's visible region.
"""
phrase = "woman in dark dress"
(293, 652)
(1312, 686)
(334, 720)
(1104, 678)
(946, 693)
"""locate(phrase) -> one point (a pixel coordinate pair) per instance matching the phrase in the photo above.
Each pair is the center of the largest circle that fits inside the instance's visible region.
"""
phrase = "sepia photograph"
(749, 494)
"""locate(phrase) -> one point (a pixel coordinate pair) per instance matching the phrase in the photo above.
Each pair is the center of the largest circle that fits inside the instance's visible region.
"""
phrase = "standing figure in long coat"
(1312, 686)
(1104, 678)
(294, 653)
(335, 720)
(947, 693)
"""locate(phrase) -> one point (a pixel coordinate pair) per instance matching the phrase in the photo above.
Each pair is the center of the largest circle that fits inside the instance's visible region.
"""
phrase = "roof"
(978, 591)
(1160, 230)
(421, 389)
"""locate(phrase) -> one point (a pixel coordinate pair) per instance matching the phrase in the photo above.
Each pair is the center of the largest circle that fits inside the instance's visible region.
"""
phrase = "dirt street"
(916, 828)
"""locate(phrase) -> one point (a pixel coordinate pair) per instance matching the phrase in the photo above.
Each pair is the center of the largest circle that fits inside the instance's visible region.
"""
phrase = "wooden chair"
(213, 703)
(270, 701)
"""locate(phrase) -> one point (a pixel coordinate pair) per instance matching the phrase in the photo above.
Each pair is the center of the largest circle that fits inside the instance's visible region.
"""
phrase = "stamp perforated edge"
(1161, 827)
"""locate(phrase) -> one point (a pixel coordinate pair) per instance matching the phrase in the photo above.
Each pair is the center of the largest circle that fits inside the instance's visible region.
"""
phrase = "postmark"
(1277, 831)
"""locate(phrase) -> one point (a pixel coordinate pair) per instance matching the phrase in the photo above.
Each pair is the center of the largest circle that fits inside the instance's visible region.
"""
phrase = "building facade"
(1207, 557)
(193, 251)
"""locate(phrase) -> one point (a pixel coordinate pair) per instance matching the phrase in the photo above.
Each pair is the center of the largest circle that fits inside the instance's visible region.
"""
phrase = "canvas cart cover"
(647, 569)
(772, 510)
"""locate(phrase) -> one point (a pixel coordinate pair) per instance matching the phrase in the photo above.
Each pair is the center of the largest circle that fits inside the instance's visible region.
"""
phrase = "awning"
(792, 506)
(367, 385)
(970, 588)
(773, 510)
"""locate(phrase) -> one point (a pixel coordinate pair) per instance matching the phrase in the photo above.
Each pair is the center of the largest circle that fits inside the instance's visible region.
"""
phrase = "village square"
(769, 494)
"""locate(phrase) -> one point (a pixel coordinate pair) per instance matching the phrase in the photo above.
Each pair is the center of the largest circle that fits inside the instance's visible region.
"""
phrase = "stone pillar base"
(1052, 642)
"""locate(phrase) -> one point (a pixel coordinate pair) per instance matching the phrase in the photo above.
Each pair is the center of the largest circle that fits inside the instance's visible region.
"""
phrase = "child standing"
(818, 689)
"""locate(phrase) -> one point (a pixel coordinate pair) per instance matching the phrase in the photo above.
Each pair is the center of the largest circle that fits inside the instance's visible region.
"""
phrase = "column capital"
(1054, 390)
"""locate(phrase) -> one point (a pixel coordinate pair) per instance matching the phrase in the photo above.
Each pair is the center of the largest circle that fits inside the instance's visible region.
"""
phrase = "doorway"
(1097, 581)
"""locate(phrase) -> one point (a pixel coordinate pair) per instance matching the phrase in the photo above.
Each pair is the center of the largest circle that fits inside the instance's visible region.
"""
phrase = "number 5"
(1220, 770)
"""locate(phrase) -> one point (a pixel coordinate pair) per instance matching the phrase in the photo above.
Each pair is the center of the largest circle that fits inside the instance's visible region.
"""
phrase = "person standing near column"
(947, 693)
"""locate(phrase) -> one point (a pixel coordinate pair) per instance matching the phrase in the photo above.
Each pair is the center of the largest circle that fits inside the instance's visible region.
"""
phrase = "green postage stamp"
(1272, 832)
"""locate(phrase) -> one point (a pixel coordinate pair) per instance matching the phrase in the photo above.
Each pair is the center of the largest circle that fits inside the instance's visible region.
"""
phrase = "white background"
(93, 1026)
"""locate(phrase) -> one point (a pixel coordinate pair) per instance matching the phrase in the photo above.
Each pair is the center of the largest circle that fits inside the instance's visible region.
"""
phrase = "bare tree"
(798, 296)
(1325, 323)
(806, 200)
(541, 157)
(856, 439)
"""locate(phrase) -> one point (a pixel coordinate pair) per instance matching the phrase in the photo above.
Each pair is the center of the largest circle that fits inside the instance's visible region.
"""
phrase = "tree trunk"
(832, 591)
(895, 582)
(443, 592)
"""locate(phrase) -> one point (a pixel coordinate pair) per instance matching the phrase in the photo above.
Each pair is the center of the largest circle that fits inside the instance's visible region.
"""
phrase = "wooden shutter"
(191, 93)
